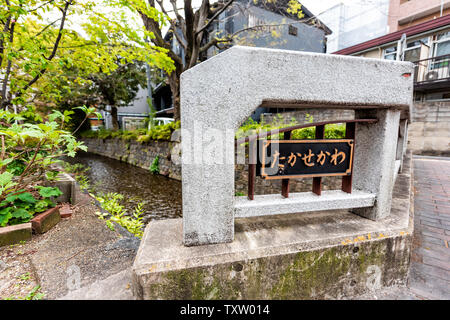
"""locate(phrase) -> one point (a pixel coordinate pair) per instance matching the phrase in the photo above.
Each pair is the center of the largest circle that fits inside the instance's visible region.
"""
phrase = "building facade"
(407, 13)
(355, 22)
(427, 45)
(258, 24)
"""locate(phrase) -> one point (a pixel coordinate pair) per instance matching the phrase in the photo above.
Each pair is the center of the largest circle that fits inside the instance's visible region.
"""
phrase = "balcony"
(432, 73)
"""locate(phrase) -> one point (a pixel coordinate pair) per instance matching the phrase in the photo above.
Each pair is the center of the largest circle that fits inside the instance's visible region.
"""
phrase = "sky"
(315, 6)
(318, 6)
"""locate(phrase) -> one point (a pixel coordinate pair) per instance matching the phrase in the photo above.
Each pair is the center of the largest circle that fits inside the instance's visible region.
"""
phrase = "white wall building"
(354, 22)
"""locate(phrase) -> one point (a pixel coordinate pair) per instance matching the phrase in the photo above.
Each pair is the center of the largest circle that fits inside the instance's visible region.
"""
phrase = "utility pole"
(149, 82)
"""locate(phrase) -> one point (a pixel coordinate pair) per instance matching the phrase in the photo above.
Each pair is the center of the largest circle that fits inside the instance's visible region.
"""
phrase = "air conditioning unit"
(431, 75)
(438, 73)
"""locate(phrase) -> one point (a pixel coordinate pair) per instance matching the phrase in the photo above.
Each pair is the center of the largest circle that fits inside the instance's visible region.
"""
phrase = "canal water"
(161, 196)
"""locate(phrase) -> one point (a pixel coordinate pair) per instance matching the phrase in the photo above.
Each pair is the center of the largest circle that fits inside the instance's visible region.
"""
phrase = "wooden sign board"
(290, 159)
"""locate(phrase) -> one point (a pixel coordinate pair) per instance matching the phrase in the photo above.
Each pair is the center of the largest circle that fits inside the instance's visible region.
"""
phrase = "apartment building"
(406, 13)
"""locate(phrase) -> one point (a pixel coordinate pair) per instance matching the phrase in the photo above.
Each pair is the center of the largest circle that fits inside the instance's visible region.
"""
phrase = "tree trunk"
(114, 120)
(174, 82)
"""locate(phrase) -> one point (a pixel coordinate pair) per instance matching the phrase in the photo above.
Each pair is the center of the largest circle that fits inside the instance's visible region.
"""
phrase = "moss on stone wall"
(333, 272)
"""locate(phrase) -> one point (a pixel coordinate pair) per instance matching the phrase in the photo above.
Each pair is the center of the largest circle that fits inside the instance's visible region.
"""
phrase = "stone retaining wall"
(142, 155)
(315, 115)
(429, 132)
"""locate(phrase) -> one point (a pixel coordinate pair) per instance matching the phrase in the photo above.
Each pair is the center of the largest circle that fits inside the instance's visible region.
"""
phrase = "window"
(438, 96)
(293, 30)
(390, 53)
(442, 44)
(412, 51)
(260, 24)
(254, 21)
(441, 48)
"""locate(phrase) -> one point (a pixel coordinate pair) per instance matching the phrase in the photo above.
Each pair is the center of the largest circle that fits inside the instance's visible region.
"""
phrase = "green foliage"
(52, 175)
(6, 182)
(48, 192)
(21, 206)
(161, 132)
(34, 294)
(44, 59)
(115, 89)
(250, 127)
(154, 167)
(24, 277)
(83, 182)
(335, 131)
(28, 151)
(78, 170)
(111, 202)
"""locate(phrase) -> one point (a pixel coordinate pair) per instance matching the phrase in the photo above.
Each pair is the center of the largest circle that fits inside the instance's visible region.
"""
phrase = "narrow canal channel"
(161, 196)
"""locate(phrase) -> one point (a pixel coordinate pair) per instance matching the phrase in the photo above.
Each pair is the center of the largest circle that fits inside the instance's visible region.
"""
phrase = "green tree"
(37, 48)
(115, 89)
(191, 28)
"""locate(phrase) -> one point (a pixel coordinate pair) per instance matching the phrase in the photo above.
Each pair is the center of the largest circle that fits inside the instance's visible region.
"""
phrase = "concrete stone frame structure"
(231, 85)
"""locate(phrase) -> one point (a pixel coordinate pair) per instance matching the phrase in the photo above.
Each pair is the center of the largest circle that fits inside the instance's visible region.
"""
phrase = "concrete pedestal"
(215, 104)
(315, 255)
(374, 166)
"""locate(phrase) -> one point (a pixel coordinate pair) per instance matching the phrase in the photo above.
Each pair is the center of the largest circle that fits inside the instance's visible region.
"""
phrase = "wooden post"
(317, 181)
(252, 168)
(285, 182)
(350, 133)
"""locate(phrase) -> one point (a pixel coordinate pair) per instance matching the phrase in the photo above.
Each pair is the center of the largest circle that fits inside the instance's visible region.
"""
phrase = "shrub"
(154, 167)
(111, 202)
(332, 131)
(20, 207)
(162, 132)
(28, 150)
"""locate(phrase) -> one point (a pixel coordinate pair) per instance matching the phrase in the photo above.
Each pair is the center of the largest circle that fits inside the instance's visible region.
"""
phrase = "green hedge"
(332, 131)
(162, 132)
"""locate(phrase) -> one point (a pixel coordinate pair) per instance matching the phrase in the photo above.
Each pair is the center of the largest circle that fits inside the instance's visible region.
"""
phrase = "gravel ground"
(17, 277)
(76, 253)
(81, 258)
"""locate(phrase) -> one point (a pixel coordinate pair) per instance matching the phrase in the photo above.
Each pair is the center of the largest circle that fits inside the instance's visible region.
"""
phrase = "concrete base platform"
(317, 255)
(266, 204)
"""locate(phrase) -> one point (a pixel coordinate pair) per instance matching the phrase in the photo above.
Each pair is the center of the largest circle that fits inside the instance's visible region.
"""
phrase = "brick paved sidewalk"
(430, 261)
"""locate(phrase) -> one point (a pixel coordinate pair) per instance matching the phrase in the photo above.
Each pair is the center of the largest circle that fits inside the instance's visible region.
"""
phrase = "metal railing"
(350, 133)
(432, 69)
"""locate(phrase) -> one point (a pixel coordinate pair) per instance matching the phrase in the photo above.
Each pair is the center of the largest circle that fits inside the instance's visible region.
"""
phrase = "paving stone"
(430, 259)
(435, 262)
(43, 222)
(65, 211)
(15, 234)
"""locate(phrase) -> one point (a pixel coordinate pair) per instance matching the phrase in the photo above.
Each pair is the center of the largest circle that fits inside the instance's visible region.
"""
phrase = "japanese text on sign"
(283, 159)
